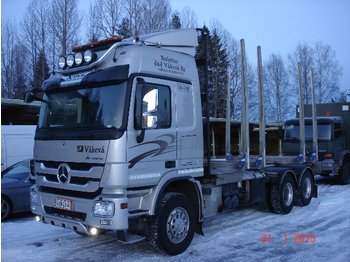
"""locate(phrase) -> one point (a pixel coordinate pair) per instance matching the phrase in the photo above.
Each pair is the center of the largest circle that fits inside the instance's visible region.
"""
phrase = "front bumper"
(80, 218)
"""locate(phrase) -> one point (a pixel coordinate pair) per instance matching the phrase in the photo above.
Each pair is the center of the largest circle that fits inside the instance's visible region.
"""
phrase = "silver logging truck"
(120, 146)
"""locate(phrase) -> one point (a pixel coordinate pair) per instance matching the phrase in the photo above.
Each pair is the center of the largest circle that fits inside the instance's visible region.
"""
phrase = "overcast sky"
(277, 25)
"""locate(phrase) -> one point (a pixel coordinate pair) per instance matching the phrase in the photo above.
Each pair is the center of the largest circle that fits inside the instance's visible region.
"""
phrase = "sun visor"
(109, 75)
(101, 77)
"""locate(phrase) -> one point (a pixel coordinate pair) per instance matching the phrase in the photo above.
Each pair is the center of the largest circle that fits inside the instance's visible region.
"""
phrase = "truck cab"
(333, 139)
(115, 128)
(330, 137)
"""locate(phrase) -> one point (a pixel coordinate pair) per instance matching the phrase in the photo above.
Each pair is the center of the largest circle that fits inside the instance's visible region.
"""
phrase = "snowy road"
(243, 235)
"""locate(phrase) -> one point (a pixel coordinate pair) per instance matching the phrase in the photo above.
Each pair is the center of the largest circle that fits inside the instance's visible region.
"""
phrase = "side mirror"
(149, 121)
(29, 97)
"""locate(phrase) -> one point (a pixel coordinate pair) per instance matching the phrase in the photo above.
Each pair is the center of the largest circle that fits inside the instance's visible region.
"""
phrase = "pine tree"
(217, 73)
(200, 58)
(175, 21)
(124, 28)
(218, 67)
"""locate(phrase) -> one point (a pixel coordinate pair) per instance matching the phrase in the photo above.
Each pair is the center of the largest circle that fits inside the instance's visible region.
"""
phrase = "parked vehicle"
(120, 146)
(333, 135)
(17, 143)
(15, 189)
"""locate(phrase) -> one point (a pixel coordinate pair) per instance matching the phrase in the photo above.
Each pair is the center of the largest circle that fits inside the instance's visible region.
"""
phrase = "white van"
(17, 142)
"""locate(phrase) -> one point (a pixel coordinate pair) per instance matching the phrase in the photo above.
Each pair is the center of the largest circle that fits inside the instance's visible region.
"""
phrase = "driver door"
(151, 132)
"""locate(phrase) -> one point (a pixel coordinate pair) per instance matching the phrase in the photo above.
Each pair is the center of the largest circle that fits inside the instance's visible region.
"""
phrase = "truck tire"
(305, 189)
(344, 172)
(283, 195)
(6, 208)
(172, 229)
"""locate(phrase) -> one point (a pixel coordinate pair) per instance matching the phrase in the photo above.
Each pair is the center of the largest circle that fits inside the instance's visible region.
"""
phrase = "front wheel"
(172, 229)
(283, 195)
(6, 208)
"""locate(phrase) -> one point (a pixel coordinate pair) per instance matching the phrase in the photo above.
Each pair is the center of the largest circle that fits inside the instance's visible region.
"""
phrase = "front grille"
(73, 180)
(70, 193)
(71, 215)
(72, 165)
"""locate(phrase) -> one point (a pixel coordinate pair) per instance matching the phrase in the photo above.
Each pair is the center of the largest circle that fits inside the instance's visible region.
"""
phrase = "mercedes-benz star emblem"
(63, 173)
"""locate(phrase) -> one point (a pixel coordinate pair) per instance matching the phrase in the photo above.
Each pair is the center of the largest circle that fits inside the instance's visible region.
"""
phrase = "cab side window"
(152, 107)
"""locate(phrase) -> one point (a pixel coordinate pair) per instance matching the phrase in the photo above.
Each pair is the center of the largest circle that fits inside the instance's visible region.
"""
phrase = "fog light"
(105, 222)
(103, 209)
(93, 231)
(37, 218)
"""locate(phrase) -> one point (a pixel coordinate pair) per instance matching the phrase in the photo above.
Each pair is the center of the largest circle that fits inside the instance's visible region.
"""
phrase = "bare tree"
(109, 16)
(232, 47)
(303, 55)
(35, 30)
(8, 50)
(134, 13)
(327, 73)
(19, 68)
(277, 91)
(94, 31)
(156, 14)
(188, 18)
(41, 9)
(30, 28)
(65, 24)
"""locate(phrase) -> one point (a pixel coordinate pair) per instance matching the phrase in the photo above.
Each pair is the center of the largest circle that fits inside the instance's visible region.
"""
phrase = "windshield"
(98, 108)
(18, 171)
(324, 131)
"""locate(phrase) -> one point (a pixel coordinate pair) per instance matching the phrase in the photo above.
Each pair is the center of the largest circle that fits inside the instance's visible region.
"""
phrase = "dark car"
(15, 189)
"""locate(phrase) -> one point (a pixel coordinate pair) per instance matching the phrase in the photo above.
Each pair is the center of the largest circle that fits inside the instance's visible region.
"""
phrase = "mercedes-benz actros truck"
(120, 146)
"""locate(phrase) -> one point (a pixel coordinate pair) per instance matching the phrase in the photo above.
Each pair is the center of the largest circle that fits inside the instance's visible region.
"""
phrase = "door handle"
(170, 164)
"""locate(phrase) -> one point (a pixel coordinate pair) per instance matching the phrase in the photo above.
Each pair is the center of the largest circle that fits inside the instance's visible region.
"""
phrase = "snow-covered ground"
(243, 235)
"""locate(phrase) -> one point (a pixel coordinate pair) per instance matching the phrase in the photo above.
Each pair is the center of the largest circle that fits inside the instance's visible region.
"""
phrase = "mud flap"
(315, 190)
(199, 228)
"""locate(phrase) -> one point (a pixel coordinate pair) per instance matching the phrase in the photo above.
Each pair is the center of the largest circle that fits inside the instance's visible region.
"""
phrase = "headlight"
(62, 62)
(78, 58)
(70, 60)
(88, 56)
(103, 209)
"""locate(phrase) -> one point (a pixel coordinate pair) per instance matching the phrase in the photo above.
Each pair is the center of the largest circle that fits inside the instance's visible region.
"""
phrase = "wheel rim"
(306, 188)
(178, 225)
(5, 208)
(288, 194)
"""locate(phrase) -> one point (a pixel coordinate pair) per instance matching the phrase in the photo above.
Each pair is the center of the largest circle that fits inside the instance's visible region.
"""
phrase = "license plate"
(63, 203)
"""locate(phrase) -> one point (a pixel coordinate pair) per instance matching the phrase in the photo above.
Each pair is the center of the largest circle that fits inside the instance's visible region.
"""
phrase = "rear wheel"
(344, 172)
(6, 208)
(283, 195)
(305, 189)
(172, 229)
